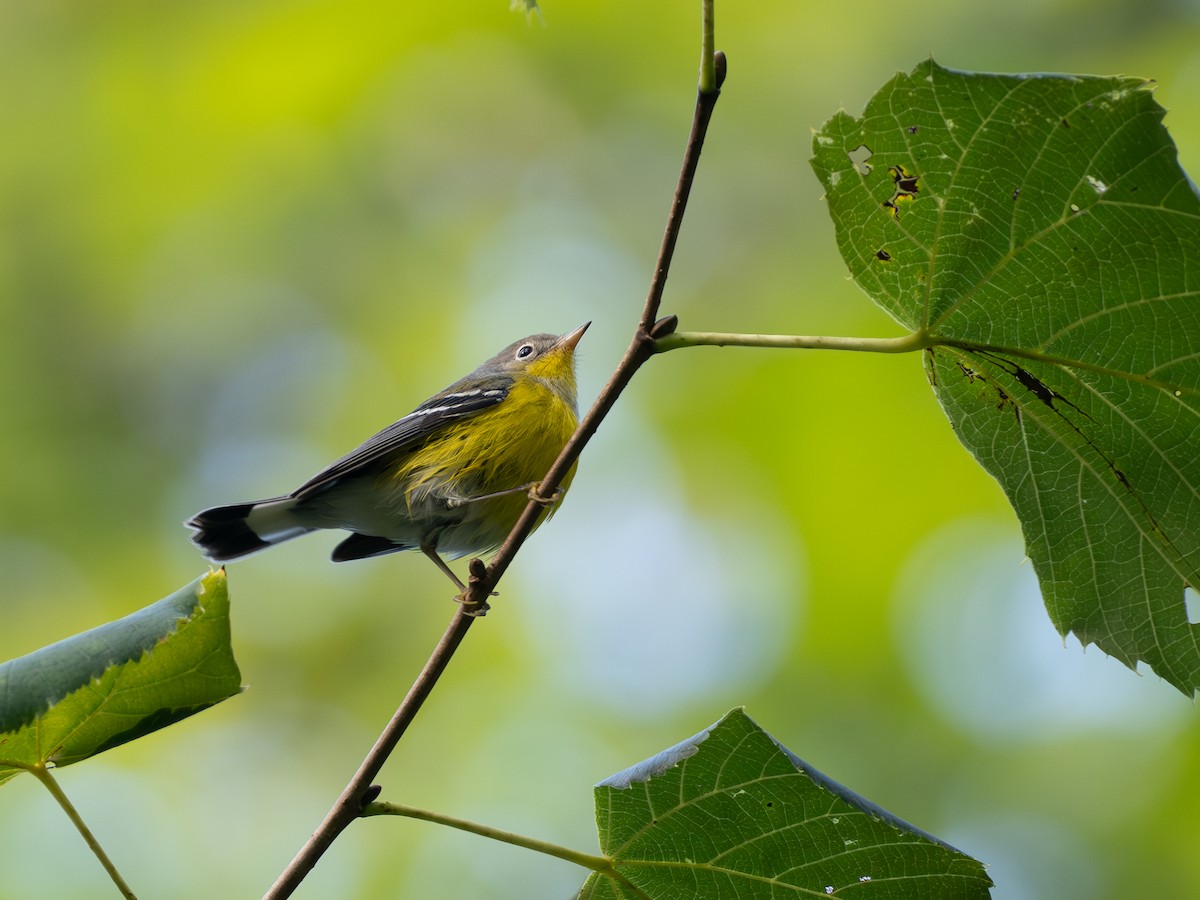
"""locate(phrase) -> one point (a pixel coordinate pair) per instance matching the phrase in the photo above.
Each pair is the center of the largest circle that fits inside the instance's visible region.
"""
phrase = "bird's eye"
(525, 352)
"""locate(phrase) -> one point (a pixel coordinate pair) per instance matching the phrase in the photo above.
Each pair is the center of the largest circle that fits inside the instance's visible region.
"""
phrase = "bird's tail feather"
(230, 532)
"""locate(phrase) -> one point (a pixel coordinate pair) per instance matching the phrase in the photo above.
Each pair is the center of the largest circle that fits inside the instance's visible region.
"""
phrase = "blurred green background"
(238, 237)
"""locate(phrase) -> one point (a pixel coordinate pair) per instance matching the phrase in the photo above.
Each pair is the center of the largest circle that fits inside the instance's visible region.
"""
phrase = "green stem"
(708, 66)
(918, 340)
(42, 774)
(600, 864)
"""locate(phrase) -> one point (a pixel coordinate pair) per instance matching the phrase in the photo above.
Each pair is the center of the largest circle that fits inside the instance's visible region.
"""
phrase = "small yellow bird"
(450, 478)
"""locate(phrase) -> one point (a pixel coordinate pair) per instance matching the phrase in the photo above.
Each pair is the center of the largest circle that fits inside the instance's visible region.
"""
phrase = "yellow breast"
(501, 449)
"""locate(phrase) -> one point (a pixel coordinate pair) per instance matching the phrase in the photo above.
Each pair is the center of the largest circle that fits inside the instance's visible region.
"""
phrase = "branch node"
(721, 66)
(664, 326)
(474, 599)
(477, 570)
(369, 796)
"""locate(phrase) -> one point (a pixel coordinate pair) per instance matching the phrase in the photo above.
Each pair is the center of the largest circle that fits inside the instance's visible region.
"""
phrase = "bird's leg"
(530, 490)
(429, 551)
(456, 502)
(473, 608)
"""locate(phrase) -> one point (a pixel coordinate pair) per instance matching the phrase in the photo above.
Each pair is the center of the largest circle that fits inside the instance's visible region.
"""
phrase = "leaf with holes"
(117, 682)
(1038, 236)
(730, 813)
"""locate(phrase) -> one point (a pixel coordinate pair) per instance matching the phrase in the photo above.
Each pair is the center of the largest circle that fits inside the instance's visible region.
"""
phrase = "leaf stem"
(917, 340)
(587, 860)
(42, 774)
(908, 343)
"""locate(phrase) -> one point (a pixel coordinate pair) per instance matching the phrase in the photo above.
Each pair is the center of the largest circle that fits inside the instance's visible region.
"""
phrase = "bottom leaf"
(732, 813)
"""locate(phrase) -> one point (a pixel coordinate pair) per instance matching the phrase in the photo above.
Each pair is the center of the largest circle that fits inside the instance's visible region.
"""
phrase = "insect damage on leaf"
(1003, 402)
(858, 158)
(1043, 392)
(906, 188)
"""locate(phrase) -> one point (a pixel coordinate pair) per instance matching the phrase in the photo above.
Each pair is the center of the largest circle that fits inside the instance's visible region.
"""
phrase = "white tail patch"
(275, 522)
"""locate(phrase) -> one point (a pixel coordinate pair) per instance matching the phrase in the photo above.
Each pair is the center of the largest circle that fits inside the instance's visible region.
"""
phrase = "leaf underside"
(120, 681)
(730, 813)
(1040, 234)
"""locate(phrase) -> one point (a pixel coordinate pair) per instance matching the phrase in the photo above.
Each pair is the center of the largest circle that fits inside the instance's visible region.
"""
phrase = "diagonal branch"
(483, 580)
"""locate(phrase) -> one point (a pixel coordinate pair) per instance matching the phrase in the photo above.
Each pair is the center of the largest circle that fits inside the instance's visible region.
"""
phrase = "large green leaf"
(730, 813)
(1038, 236)
(117, 682)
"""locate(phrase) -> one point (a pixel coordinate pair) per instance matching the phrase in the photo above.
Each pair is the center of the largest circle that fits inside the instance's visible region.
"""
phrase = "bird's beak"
(568, 341)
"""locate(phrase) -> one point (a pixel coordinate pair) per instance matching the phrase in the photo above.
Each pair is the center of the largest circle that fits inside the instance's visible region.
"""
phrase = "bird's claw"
(473, 608)
(536, 497)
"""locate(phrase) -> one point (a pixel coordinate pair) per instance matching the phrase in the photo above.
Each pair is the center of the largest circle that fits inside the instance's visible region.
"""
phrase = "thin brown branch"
(355, 796)
(640, 349)
(706, 101)
(483, 580)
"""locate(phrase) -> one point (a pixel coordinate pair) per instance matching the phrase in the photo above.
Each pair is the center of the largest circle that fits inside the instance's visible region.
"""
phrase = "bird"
(450, 479)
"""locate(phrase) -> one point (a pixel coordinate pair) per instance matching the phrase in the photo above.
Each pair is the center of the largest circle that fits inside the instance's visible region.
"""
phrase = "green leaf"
(117, 682)
(1038, 234)
(731, 813)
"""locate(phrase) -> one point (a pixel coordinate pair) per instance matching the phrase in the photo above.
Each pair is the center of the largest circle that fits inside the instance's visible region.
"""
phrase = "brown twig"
(483, 580)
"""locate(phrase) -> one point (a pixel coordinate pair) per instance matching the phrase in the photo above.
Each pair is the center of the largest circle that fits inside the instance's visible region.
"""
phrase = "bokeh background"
(238, 237)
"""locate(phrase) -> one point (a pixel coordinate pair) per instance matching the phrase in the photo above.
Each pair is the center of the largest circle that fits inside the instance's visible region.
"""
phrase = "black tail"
(365, 546)
(223, 533)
